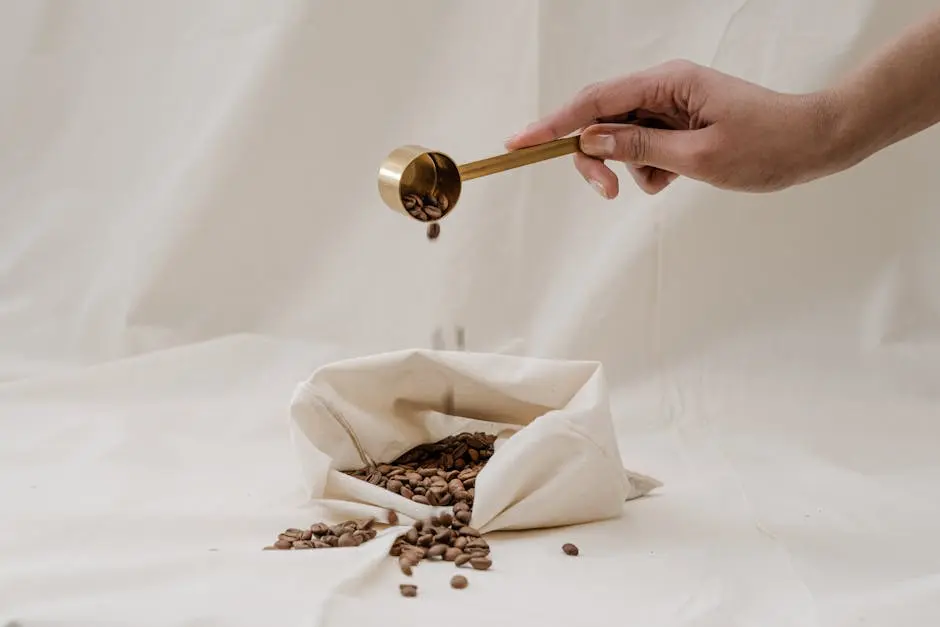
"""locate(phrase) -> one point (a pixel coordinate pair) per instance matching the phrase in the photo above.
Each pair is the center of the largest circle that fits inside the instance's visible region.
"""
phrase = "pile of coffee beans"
(426, 207)
(440, 473)
(447, 538)
(322, 536)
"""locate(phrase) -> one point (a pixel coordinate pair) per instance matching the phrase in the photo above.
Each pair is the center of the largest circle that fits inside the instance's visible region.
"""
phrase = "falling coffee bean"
(408, 590)
(458, 582)
(434, 231)
(570, 549)
(392, 517)
(406, 566)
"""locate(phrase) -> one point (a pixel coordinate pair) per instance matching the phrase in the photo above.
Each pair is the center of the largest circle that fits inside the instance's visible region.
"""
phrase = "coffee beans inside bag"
(522, 443)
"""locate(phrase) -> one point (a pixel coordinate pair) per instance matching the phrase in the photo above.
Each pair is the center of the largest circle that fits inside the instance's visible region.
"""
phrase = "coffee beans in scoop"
(426, 207)
(439, 473)
(350, 533)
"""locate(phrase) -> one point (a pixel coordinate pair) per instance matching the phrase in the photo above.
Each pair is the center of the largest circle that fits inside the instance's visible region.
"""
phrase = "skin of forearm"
(894, 95)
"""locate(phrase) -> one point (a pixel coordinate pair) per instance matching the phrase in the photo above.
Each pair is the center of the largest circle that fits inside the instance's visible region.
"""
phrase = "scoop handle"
(519, 158)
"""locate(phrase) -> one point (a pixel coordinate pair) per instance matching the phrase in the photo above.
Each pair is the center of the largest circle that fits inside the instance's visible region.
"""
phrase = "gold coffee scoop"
(426, 173)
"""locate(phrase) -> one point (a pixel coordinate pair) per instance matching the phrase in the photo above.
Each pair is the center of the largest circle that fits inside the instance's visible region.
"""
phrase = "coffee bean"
(319, 544)
(444, 536)
(420, 498)
(570, 549)
(461, 507)
(463, 516)
(477, 543)
(392, 517)
(407, 493)
(408, 590)
(434, 229)
(480, 563)
(452, 553)
(365, 524)
(462, 559)
(394, 485)
(406, 566)
(395, 550)
(469, 531)
(319, 529)
(303, 544)
(348, 540)
(458, 582)
(437, 550)
(446, 519)
(283, 544)
(426, 540)
(461, 542)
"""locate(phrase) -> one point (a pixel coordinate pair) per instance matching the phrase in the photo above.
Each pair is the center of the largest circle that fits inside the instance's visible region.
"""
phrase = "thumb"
(637, 145)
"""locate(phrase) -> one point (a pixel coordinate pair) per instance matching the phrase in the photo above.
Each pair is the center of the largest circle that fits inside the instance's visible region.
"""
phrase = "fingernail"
(598, 188)
(598, 145)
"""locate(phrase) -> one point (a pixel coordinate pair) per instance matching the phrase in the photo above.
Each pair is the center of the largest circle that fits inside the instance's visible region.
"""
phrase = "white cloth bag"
(556, 460)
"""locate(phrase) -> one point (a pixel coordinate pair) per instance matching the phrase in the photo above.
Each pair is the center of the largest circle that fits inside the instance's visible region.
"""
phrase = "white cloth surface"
(189, 226)
(556, 459)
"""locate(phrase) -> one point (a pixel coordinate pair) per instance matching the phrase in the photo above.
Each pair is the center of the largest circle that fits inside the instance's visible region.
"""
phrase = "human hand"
(688, 120)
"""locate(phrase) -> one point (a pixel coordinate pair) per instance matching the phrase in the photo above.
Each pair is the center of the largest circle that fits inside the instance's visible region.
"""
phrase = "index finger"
(598, 100)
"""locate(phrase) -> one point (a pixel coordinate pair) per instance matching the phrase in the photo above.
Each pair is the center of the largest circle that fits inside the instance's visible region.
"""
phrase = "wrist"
(843, 137)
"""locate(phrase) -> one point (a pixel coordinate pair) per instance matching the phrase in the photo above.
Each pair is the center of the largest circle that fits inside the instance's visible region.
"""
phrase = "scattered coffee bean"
(462, 559)
(408, 590)
(480, 563)
(434, 231)
(392, 517)
(322, 536)
(458, 582)
(469, 531)
(569, 549)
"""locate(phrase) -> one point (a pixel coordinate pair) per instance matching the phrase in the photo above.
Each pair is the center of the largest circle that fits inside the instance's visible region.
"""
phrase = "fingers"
(655, 89)
(651, 180)
(600, 100)
(675, 151)
(595, 172)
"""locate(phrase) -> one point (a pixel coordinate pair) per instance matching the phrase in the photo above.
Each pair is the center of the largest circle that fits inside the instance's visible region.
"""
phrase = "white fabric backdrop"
(189, 226)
